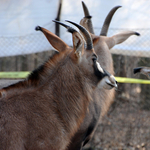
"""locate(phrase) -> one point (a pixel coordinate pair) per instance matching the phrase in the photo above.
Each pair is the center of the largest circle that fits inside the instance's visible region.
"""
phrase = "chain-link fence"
(127, 124)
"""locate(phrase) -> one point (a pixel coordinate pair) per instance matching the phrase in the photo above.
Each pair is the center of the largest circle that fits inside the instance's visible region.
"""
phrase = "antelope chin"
(106, 83)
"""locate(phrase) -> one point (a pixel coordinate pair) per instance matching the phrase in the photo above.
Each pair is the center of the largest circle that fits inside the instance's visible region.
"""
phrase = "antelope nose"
(115, 85)
(113, 81)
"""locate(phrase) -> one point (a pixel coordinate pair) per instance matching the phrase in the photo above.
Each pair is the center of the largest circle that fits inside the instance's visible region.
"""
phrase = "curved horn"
(86, 11)
(86, 35)
(69, 29)
(88, 17)
(108, 20)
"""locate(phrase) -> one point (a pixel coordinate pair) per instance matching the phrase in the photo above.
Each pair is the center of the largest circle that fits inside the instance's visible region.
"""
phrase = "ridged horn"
(86, 35)
(88, 17)
(86, 11)
(69, 29)
(108, 20)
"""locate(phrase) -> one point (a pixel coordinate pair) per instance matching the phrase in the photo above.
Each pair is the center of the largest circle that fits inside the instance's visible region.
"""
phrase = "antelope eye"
(94, 57)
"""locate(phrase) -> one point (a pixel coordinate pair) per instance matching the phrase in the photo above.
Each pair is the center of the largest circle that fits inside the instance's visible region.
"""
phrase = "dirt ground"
(125, 127)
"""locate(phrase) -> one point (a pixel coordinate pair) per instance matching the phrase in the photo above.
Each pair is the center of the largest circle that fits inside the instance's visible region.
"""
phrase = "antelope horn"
(108, 20)
(88, 16)
(86, 35)
(69, 29)
(86, 11)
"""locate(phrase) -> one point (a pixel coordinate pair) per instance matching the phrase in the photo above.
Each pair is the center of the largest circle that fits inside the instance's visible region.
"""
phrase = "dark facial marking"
(94, 57)
(97, 72)
(136, 70)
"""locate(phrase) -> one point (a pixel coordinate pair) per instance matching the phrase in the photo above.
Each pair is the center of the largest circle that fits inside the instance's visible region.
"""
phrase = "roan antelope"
(44, 111)
(102, 98)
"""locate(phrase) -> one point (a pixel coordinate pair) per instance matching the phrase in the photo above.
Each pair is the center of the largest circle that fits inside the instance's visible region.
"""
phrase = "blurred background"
(127, 123)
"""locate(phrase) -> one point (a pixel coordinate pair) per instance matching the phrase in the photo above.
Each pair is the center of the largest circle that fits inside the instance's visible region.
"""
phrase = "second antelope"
(102, 98)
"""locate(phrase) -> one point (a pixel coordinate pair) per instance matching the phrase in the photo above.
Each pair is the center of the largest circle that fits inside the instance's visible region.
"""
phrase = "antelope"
(102, 98)
(46, 109)
(142, 70)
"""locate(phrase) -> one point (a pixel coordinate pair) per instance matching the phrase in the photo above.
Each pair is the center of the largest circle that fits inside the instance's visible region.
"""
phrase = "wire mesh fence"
(26, 44)
(126, 125)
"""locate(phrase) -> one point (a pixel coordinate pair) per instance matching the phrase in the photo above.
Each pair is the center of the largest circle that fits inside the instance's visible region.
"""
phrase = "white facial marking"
(145, 70)
(108, 83)
(99, 67)
(113, 81)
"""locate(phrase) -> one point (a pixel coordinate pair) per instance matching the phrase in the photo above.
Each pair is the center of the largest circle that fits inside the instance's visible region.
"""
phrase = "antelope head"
(102, 42)
(142, 70)
(82, 54)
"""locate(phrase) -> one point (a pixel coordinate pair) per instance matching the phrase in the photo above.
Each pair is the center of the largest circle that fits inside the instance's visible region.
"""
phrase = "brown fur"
(45, 111)
(101, 101)
(102, 98)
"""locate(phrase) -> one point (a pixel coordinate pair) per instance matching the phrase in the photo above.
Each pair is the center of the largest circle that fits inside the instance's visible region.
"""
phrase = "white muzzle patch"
(108, 82)
(146, 71)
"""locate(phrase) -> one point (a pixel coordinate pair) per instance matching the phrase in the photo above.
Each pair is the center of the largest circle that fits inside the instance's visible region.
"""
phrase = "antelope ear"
(78, 44)
(53, 39)
(78, 41)
(119, 38)
(95, 39)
